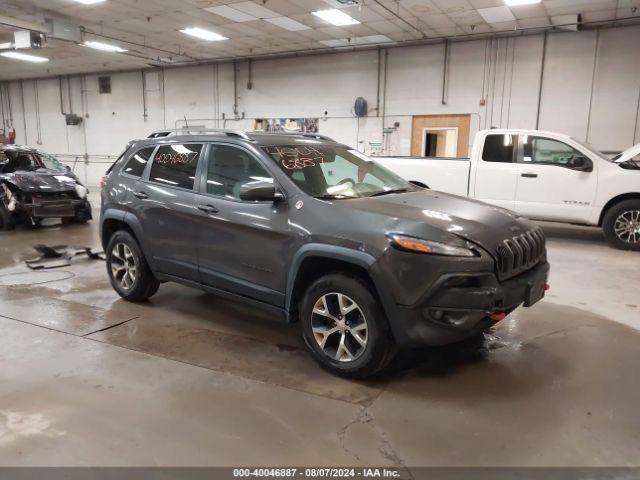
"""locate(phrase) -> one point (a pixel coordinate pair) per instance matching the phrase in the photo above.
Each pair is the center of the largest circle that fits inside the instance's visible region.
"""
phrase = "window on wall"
(137, 163)
(230, 168)
(498, 148)
(547, 151)
(175, 165)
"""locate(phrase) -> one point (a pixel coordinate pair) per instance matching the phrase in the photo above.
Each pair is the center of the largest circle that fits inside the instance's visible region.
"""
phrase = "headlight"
(81, 191)
(418, 245)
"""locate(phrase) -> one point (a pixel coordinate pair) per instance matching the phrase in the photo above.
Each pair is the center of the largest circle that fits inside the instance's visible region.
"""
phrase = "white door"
(496, 171)
(555, 181)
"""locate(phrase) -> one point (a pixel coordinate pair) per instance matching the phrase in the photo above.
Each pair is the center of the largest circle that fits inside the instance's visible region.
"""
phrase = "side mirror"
(260, 192)
(580, 163)
(67, 168)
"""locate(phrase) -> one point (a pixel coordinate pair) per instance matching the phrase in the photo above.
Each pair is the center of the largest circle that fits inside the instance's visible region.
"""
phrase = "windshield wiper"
(389, 192)
(332, 197)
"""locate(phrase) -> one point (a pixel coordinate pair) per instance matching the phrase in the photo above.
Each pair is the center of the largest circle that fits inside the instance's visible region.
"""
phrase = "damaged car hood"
(41, 181)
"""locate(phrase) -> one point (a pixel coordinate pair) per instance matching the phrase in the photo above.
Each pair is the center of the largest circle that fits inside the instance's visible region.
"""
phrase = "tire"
(5, 218)
(621, 225)
(128, 269)
(366, 360)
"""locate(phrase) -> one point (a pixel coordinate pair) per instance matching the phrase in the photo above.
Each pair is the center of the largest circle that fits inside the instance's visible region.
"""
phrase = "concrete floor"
(191, 379)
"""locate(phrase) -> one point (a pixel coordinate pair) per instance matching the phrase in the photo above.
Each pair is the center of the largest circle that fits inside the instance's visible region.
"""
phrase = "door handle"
(208, 208)
(529, 175)
(140, 195)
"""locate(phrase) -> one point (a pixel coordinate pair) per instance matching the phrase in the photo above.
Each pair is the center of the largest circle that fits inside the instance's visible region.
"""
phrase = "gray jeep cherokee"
(319, 233)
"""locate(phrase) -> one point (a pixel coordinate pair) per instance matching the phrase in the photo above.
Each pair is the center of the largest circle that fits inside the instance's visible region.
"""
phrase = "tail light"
(103, 182)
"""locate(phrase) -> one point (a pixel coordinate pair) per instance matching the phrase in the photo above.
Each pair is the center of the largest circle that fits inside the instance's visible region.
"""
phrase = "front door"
(549, 186)
(243, 247)
(164, 203)
(495, 174)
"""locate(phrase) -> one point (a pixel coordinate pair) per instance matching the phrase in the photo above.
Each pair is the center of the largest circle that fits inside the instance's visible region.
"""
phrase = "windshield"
(51, 162)
(19, 161)
(335, 172)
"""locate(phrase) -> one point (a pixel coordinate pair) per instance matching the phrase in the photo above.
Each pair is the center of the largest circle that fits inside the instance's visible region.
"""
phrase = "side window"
(230, 168)
(498, 148)
(176, 165)
(136, 164)
(547, 151)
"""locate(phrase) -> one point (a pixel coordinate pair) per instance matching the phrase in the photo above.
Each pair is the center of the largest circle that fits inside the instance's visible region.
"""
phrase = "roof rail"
(199, 131)
(298, 134)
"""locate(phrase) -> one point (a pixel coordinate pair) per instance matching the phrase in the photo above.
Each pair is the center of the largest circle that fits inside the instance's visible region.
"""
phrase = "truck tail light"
(103, 182)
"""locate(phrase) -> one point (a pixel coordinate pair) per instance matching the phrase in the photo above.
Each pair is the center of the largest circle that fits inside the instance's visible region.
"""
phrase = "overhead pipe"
(445, 64)
(144, 97)
(542, 65)
(61, 99)
(378, 91)
(422, 34)
(24, 113)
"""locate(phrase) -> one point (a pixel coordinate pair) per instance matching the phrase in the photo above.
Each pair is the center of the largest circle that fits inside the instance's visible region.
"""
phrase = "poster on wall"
(305, 125)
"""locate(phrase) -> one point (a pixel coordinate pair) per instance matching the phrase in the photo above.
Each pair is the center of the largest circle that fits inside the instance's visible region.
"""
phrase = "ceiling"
(150, 29)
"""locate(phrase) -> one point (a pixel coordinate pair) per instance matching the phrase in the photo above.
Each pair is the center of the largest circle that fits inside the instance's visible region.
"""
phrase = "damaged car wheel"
(128, 270)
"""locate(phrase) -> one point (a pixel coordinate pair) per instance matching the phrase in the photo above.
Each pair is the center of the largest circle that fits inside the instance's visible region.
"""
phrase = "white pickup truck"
(541, 175)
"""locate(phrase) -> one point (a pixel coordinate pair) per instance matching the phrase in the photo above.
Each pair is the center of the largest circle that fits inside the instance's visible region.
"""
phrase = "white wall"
(590, 89)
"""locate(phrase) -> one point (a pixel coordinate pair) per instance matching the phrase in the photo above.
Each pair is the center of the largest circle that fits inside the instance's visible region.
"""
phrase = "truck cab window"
(498, 148)
(547, 151)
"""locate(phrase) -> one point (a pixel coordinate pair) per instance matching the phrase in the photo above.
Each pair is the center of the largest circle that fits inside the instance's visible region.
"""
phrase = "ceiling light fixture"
(517, 3)
(89, 2)
(105, 47)
(203, 34)
(24, 57)
(336, 17)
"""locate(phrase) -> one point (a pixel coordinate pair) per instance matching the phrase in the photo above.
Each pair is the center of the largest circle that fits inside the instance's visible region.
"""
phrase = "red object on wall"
(11, 138)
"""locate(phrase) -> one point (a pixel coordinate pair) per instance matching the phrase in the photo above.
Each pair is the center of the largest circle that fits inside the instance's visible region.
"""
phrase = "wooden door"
(420, 122)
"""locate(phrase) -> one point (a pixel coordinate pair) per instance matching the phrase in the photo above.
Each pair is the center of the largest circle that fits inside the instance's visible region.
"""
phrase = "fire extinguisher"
(11, 139)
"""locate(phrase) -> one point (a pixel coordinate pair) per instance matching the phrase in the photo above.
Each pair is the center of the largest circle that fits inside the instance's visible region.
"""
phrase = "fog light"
(436, 314)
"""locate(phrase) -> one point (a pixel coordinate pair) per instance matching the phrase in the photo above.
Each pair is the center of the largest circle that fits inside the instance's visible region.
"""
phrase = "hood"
(41, 181)
(418, 213)
(628, 154)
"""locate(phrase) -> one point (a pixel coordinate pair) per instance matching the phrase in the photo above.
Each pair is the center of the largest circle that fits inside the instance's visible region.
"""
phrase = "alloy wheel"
(124, 266)
(339, 327)
(627, 226)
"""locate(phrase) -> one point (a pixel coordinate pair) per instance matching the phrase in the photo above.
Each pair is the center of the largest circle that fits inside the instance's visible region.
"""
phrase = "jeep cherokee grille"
(520, 253)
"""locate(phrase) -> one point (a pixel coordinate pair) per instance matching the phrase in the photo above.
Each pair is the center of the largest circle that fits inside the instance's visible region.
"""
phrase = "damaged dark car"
(35, 186)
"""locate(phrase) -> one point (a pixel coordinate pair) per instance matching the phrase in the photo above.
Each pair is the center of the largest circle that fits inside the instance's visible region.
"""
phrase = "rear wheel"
(128, 270)
(621, 225)
(345, 328)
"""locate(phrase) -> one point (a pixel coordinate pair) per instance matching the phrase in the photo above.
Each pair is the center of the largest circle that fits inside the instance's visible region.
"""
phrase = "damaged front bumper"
(62, 205)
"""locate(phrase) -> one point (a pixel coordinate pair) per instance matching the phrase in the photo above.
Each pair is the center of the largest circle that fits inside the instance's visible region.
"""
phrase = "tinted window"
(136, 164)
(176, 165)
(498, 148)
(230, 168)
(547, 151)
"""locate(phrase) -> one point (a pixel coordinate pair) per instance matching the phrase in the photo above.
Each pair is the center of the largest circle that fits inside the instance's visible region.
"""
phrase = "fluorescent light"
(24, 57)
(515, 3)
(336, 17)
(203, 34)
(89, 2)
(105, 47)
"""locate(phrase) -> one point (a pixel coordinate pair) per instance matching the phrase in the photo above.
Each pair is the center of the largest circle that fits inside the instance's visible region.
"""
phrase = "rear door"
(243, 247)
(163, 200)
(548, 186)
(496, 170)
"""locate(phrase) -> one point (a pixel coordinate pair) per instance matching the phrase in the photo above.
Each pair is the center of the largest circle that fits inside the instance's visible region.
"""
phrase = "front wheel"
(128, 270)
(5, 218)
(345, 328)
(621, 225)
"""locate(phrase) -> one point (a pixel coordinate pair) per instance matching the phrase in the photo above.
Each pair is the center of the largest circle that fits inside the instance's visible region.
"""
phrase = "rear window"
(498, 148)
(137, 163)
(175, 165)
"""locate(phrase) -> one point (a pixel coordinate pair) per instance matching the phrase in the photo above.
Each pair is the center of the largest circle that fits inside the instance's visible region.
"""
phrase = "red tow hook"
(497, 316)
(546, 287)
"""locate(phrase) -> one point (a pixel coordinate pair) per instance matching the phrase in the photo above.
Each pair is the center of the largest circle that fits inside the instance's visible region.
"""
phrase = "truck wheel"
(5, 218)
(128, 270)
(621, 225)
(345, 328)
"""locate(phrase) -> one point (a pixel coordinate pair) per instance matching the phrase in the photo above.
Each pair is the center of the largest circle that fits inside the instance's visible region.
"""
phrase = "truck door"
(496, 169)
(555, 180)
